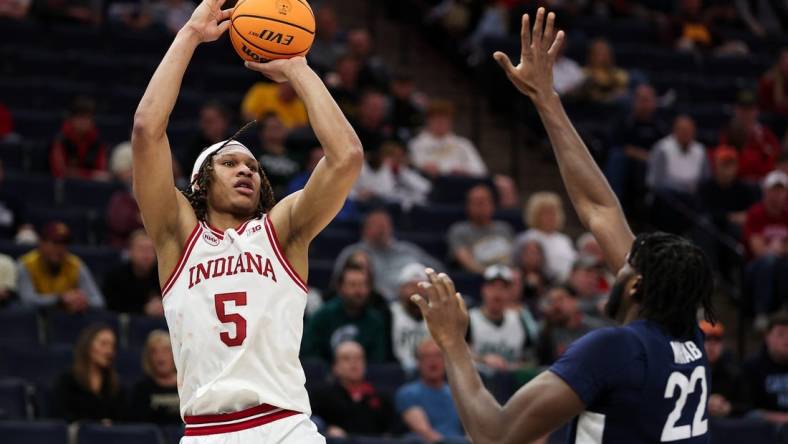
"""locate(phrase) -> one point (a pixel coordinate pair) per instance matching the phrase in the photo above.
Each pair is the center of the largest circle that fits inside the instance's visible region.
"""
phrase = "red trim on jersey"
(235, 427)
(220, 233)
(187, 250)
(224, 417)
(271, 231)
(214, 230)
(242, 227)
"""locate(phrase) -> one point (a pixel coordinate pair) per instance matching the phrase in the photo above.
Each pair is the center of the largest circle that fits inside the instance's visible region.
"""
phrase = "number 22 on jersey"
(699, 426)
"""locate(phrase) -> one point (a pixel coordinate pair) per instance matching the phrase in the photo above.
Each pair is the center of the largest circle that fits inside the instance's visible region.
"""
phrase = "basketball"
(263, 30)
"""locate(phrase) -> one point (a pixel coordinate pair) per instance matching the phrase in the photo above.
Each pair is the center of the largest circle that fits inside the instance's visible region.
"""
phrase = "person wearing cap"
(758, 145)
(77, 150)
(766, 238)
(497, 335)
(407, 325)
(765, 375)
(723, 392)
(51, 276)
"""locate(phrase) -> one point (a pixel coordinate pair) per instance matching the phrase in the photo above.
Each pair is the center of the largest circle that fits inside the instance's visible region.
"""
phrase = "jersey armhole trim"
(271, 232)
(187, 249)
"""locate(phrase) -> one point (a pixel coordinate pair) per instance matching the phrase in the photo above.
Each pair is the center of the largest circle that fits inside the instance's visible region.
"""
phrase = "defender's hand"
(533, 76)
(278, 70)
(209, 21)
(443, 309)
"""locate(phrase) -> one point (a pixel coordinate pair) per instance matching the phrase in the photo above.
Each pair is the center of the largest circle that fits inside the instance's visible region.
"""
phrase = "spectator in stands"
(8, 276)
(724, 371)
(6, 120)
(347, 317)
(351, 405)
(759, 146)
(563, 324)
(387, 177)
(83, 12)
(524, 308)
(632, 141)
(155, 396)
(90, 390)
(763, 18)
(133, 287)
(78, 150)
(408, 328)
(123, 214)
(371, 123)
(692, 27)
(313, 157)
(17, 10)
(584, 282)
(480, 241)
(328, 45)
(438, 151)
(214, 127)
(544, 214)
(531, 263)
(765, 375)
(407, 106)
(588, 247)
(278, 165)
(51, 276)
(12, 212)
(389, 255)
(343, 83)
(498, 338)
(773, 87)
(568, 76)
(172, 14)
(373, 72)
(426, 405)
(724, 199)
(766, 237)
(280, 98)
(605, 83)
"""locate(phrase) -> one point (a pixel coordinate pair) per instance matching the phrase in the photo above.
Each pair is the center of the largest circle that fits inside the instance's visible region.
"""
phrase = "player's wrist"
(190, 33)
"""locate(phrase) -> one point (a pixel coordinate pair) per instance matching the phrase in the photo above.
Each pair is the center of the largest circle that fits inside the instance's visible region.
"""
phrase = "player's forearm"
(340, 142)
(481, 414)
(154, 110)
(584, 182)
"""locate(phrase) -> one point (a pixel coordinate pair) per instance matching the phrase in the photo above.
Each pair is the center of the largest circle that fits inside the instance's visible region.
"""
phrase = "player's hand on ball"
(209, 20)
(443, 308)
(534, 74)
(277, 70)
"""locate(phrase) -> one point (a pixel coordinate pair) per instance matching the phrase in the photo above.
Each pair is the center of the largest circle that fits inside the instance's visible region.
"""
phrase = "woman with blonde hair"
(155, 397)
(544, 214)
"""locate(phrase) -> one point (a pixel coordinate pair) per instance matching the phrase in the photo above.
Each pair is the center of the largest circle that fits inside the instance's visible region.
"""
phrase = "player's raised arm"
(160, 203)
(594, 201)
(301, 216)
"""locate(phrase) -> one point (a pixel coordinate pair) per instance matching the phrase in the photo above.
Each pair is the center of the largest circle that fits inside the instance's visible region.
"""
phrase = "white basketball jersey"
(235, 309)
(507, 339)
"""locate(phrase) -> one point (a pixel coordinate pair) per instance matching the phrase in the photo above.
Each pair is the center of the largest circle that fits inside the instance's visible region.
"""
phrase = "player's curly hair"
(198, 196)
(676, 281)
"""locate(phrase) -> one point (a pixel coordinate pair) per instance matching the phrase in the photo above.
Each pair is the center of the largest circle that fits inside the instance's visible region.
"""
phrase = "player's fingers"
(549, 31)
(555, 48)
(225, 14)
(422, 303)
(223, 26)
(525, 33)
(504, 62)
(428, 292)
(437, 285)
(256, 66)
(537, 35)
(448, 283)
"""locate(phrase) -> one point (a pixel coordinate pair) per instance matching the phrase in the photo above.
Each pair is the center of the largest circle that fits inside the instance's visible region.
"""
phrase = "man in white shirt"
(392, 179)
(678, 162)
(438, 151)
(408, 328)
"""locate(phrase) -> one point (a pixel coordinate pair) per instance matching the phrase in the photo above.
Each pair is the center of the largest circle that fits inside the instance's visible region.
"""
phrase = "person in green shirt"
(347, 317)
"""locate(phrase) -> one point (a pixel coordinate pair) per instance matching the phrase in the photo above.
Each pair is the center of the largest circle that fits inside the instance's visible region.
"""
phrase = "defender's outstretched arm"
(594, 201)
(161, 205)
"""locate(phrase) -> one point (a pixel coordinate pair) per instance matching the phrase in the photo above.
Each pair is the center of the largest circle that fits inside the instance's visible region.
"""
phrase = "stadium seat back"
(24, 432)
(14, 399)
(20, 327)
(64, 328)
(119, 434)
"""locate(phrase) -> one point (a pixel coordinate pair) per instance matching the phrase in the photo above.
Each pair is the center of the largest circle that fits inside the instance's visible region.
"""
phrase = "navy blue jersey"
(639, 385)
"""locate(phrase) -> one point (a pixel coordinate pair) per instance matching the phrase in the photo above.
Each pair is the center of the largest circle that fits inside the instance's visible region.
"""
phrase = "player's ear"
(635, 292)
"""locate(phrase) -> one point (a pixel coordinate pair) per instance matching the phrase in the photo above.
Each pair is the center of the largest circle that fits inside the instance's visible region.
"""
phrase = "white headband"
(232, 146)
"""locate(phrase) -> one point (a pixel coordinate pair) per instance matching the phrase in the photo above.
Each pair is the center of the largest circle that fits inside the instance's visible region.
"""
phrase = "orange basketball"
(263, 30)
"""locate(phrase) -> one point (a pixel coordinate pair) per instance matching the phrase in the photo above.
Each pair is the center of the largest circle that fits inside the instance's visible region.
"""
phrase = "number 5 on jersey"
(239, 299)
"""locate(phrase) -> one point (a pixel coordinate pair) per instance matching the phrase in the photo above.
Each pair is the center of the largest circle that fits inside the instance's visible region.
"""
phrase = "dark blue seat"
(730, 431)
(172, 433)
(432, 243)
(20, 326)
(98, 259)
(13, 249)
(468, 284)
(24, 432)
(119, 434)
(329, 243)
(37, 124)
(315, 371)
(320, 273)
(88, 193)
(78, 220)
(64, 328)
(435, 218)
(386, 377)
(14, 400)
(128, 363)
(39, 365)
(37, 189)
(140, 327)
(452, 190)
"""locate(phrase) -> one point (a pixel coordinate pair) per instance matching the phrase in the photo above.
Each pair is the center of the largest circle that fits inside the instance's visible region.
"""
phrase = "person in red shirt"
(77, 150)
(757, 144)
(766, 238)
(773, 87)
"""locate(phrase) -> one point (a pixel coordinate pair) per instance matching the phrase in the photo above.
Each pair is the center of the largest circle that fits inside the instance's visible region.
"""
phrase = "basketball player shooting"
(644, 382)
(235, 262)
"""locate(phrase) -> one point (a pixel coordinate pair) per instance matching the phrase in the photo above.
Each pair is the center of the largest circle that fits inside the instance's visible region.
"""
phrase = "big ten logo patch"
(253, 230)
(283, 6)
(273, 36)
(210, 239)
